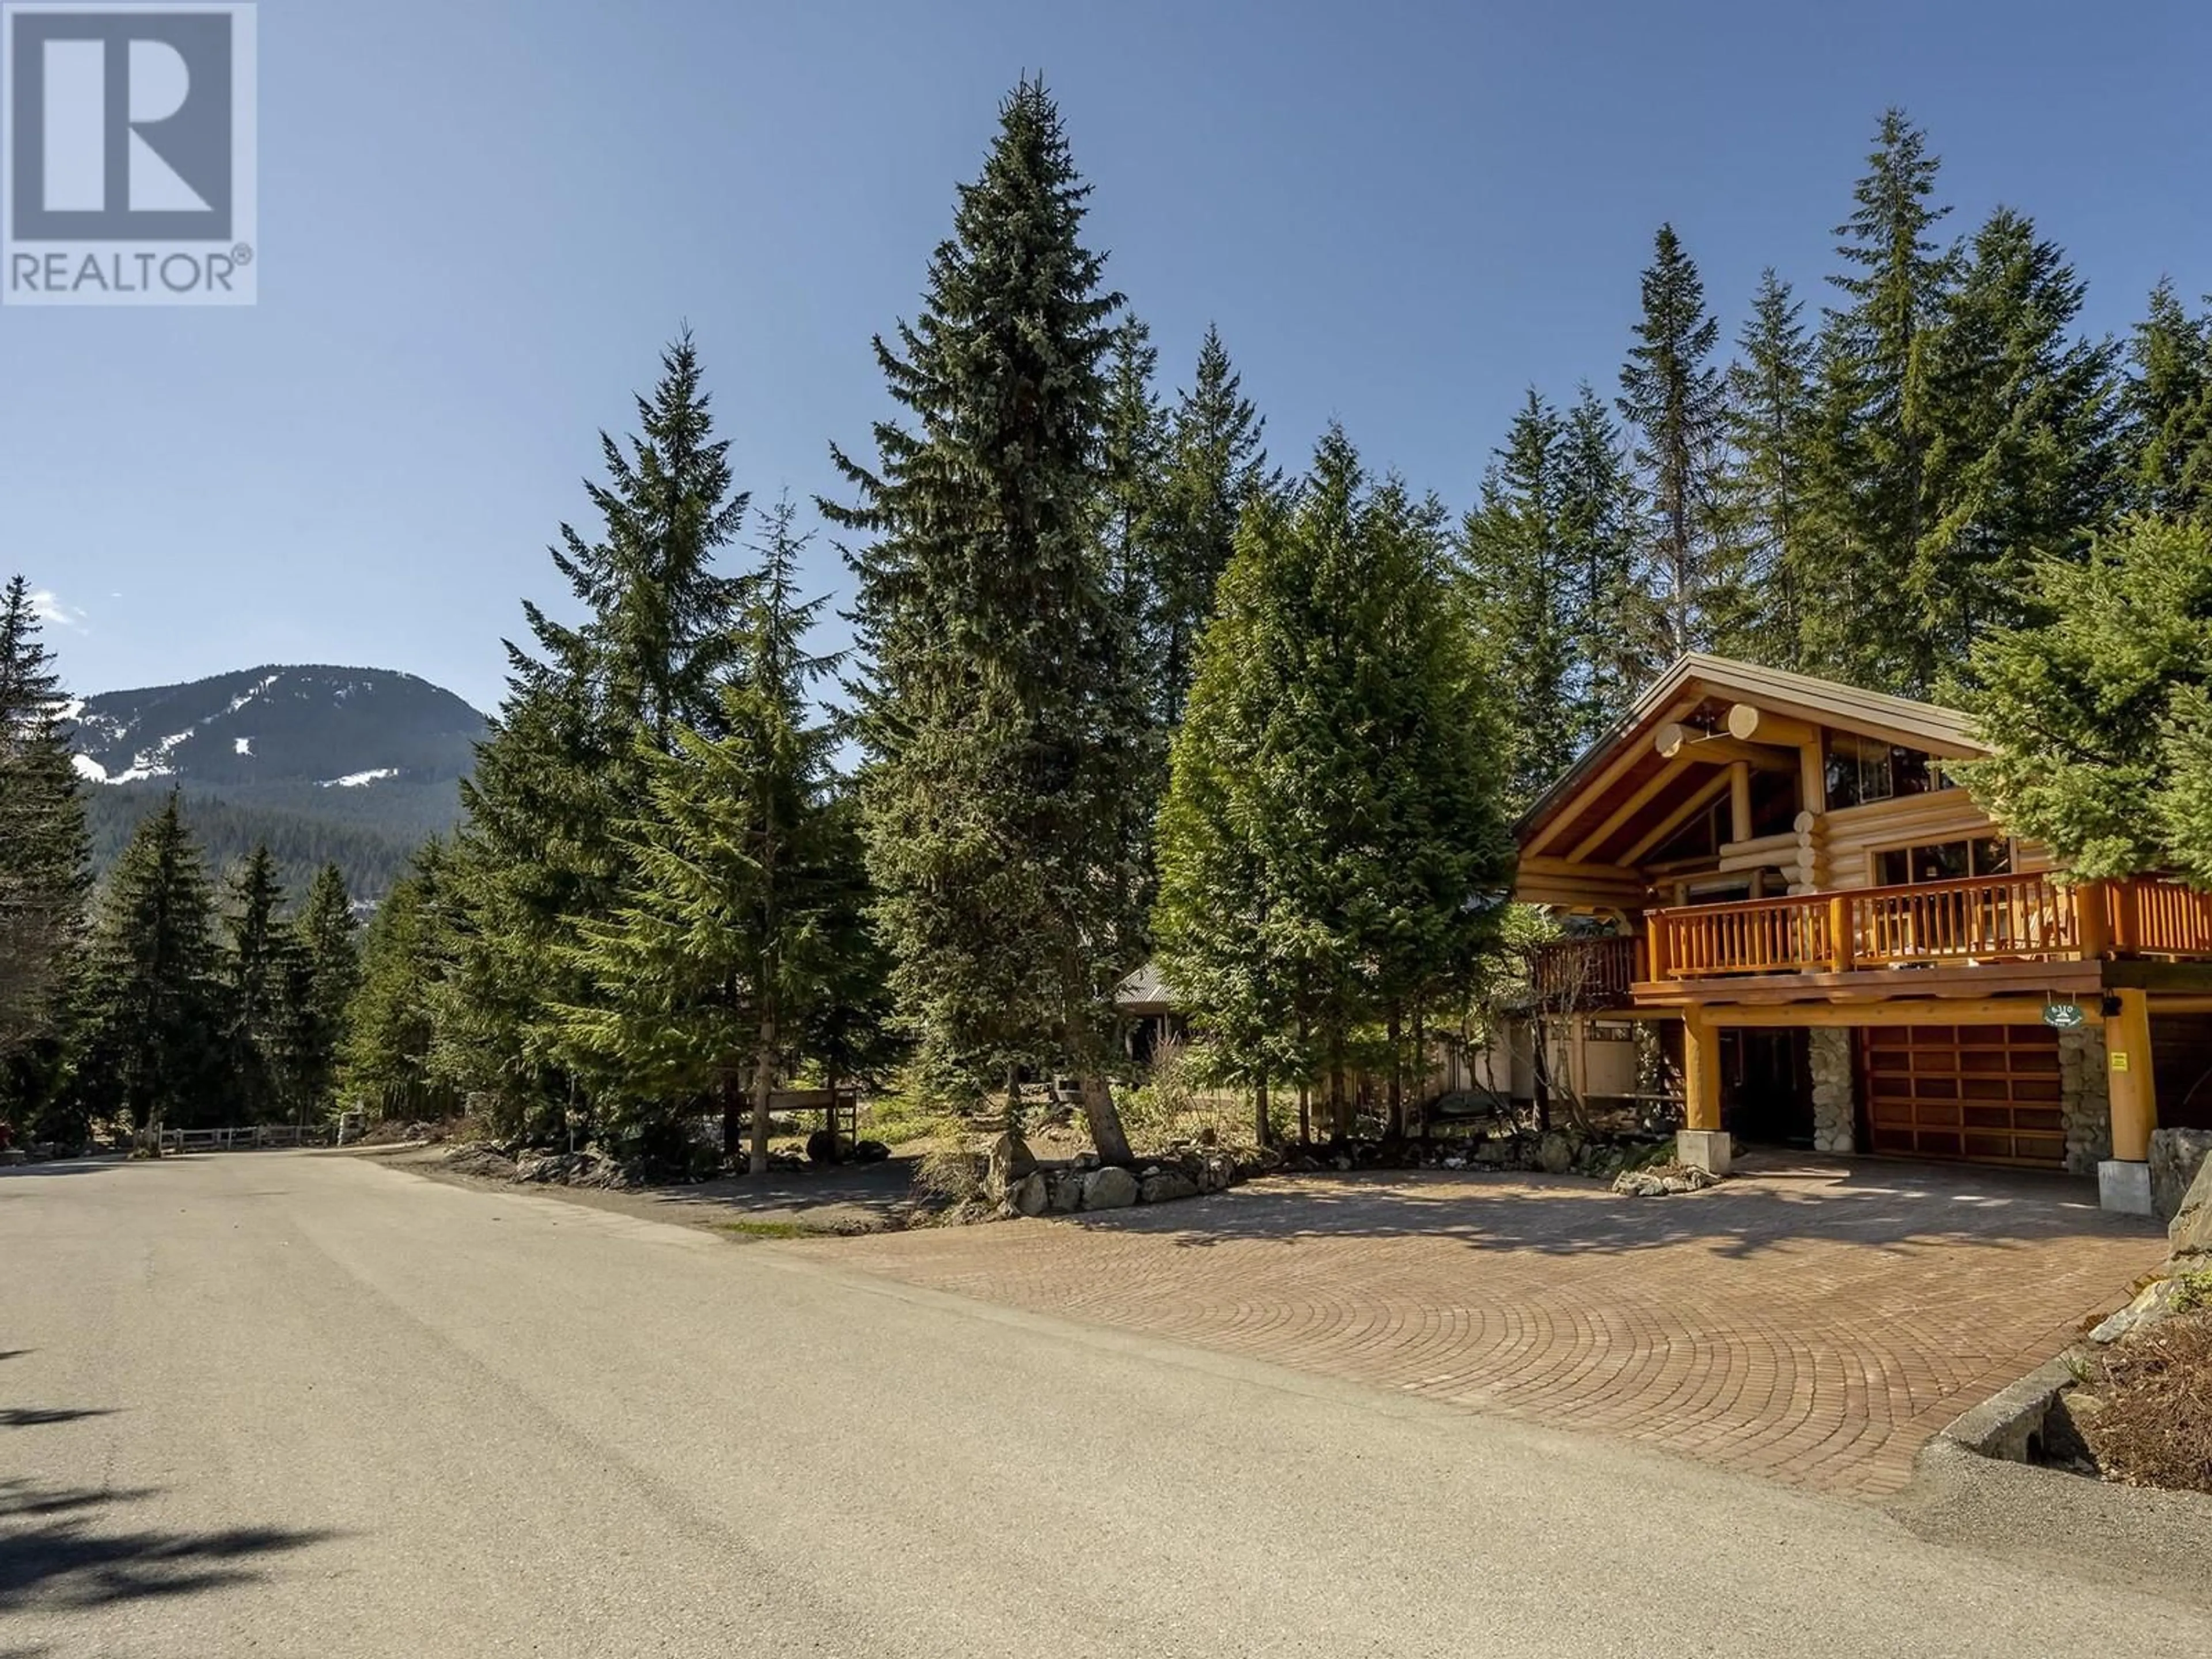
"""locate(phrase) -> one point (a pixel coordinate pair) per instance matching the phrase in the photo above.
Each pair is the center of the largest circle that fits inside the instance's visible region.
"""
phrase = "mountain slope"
(334, 727)
(353, 765)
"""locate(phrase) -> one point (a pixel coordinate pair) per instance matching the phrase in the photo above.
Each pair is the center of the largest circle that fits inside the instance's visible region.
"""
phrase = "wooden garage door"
(1987, 1094)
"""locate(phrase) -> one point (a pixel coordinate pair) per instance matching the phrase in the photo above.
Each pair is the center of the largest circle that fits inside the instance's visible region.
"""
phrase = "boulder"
(1555, 1154)
(1012, 1161)
(2190, 1233)
(1635, 1184)
(1165, 1186)
(1108, 1188)
(2176, 1155)
(868, 1151)
(823, 1146)
(1064, 1192)
(1028, 1196)
(2150, 1306)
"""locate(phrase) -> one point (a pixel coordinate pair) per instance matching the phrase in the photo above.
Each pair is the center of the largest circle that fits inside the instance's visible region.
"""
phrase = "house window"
(1945, 860)
(1862, 769)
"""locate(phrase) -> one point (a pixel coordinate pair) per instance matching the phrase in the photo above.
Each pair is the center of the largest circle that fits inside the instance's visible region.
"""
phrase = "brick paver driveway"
(1812, 1323)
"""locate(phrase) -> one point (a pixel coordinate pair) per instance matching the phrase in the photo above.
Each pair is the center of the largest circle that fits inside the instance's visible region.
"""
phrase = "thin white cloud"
(47, 605)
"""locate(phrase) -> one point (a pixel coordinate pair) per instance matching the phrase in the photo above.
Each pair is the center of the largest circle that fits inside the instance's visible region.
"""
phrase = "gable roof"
(1696, 680)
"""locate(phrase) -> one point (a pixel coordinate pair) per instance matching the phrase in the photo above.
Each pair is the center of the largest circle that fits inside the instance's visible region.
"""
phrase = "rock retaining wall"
(1086, 1184)
(1834, 1103)
(2085, 1098)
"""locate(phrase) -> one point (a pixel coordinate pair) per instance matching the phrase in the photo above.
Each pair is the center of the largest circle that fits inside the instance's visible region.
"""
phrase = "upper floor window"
(1948, 861)
(1862, 769)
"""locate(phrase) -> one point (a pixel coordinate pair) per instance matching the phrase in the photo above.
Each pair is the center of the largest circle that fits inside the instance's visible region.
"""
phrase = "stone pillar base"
(1711, 1150)
(2123, 1187)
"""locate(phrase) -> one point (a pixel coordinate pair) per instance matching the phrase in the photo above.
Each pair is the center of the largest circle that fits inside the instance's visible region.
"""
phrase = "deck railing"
(1585, 973)
(1989, 919)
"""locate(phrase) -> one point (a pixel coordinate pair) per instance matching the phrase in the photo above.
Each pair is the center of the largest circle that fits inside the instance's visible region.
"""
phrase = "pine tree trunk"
(1105, 1118)
(1262, 1131)
(1542, 1071)
(764, 1088)
(734, 1118)
(1420, 1076)
(1397, 1096)
(1305, 1113)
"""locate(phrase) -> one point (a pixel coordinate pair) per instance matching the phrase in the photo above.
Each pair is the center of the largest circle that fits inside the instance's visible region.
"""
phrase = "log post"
(2134, 1094)
(2093, 934)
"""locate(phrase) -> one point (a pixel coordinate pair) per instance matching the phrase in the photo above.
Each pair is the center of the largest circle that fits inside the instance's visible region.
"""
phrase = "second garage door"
(1987, 1094)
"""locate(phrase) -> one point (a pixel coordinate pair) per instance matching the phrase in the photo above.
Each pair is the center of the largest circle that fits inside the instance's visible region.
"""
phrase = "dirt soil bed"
(2145, 1413)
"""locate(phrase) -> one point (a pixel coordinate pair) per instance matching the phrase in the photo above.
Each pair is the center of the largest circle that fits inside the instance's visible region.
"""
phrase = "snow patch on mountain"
(89, 769)
(356, 780)
(241, 745)
(249, 695)
(154, 763)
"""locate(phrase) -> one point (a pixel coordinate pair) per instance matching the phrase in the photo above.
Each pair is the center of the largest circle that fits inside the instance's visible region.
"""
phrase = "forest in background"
(1124, 686)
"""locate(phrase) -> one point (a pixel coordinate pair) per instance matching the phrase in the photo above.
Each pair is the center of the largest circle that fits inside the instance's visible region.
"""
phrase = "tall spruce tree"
(995, 776)
(386, 1059)
(2166, 407)
(260, 988)
(565, 765)
(1216, 467)
(703, 977)
(1871, 501)
(1520, 584)
(1674, 398)
(1619, 637)
(326, 961)
(1335, 845)
(1770, 429)
(153, 1011)
(2022, 458)
(45, 872)
(1133, 539)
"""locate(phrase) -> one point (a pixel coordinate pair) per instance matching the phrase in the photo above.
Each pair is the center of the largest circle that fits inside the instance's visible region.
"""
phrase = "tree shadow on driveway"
(1900, 1209)
(60, 1549)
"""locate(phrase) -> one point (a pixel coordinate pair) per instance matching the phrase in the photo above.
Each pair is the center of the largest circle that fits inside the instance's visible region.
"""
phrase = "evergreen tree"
(154, 1010)
(1521, 588)
(1336, 846)
(1216, 467)
(258, 973)
(386, 1056)
(1225, 952)
(2099, 706)
(1617, 632)
(1770, 428)
(326, 960)
(719, 947)
(44, 875)
(996, 773)
(1673, 397)
(1134, 543)
(2022, 458)
(566, 763)
(2166, 408)
(1869, 499)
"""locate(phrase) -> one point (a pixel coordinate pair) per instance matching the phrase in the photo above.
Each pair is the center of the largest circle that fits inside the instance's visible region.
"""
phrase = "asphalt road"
(293, 1404)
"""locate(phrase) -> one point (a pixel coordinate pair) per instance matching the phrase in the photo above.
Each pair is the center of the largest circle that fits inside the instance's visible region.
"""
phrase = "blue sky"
(480, 219)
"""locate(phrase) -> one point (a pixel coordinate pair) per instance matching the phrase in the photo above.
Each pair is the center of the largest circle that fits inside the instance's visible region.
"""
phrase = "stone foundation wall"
(2085, 1098)
(1833, 1106)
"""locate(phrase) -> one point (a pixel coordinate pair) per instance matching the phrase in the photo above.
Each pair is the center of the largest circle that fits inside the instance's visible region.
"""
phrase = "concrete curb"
(2009, 1426)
